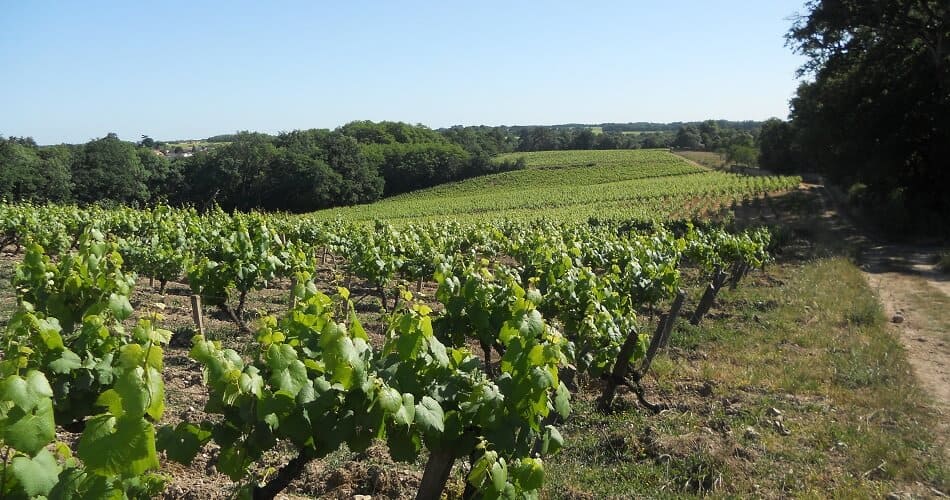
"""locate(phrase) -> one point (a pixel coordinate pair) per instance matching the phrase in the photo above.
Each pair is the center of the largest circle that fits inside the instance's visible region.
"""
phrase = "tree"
(19, 166)
(584, 139)
(710, 135)
(878, 108)
(234, 176)
(360, 182)
(300, 183)
(740, 154)
(163, 178)
(147, 142)
(57, 186)
(778, 150)
(688, 137)
(109, 169)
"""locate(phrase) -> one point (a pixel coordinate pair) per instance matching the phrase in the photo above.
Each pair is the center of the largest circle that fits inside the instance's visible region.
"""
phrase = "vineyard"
(458, 343)
(576, 186)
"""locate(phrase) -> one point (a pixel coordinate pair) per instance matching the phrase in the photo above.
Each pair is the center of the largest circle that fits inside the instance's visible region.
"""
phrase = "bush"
(857, 194)
(943, 262)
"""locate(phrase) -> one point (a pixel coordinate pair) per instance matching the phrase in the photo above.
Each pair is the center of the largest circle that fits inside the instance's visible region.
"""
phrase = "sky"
(74, 71)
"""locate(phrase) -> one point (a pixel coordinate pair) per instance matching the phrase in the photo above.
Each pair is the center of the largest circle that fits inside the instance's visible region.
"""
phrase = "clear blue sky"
(73, 71)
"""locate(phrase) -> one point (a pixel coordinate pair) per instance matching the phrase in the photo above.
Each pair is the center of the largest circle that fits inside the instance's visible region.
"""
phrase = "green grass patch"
(793, 386)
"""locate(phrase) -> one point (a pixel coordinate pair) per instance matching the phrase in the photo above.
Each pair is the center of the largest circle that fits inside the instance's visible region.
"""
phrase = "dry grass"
(708, 159)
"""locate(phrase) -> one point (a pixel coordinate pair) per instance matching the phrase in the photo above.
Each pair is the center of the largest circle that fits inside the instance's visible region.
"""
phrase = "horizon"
(514, 125)
(78, 72)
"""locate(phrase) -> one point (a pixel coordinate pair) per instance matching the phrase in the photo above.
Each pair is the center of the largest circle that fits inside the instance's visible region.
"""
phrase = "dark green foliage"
(411, 166)
(482, 140)
(361, 182)
(778, 150)
(164, 177)
(688, 138)
(30, 174)
(367, 132)
(232, 176)
(109, 169)
(878, 109)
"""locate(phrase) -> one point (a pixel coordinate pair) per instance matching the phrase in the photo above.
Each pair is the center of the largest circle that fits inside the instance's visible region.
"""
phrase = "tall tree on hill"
(109, 169)
(878, 108)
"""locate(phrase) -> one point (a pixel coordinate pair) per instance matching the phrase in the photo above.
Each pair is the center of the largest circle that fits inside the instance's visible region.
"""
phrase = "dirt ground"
(916, 300)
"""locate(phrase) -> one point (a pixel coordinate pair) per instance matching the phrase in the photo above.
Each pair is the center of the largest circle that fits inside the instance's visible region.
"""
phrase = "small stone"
(751, 433)
(774, 412)
(897, 318)
(362, 497)
(780, 427)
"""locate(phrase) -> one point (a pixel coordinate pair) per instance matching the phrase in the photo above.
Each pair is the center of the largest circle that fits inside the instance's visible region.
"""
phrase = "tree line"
(873, 114)
(296, 171)
(305, 170)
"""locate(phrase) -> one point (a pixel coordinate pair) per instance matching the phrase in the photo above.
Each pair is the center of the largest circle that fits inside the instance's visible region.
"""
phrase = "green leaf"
(552, 440)
(480, 468)
(155, 385)
(429, 416)
(529, 473)
(356, 328)
(233, 461)
(25, 393)
(67, 362)
(118, 445)
(562, 400)
(389, 399)
(29, 424)
(36, 475)
(531, 325)
(182, 442)
(130, 392)
(406, 412)
(120, 306)
(280, 356)
(499, 475)
(438, 351)
(291, 379)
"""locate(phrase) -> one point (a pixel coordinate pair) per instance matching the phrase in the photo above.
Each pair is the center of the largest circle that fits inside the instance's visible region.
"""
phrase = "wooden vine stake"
(293, 295)
(436, 474)
(719, 279)
(197, 315)
(619, 372)
(671, 318)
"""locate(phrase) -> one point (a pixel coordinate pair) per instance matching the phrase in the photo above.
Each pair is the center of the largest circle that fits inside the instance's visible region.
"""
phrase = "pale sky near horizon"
(75, 71)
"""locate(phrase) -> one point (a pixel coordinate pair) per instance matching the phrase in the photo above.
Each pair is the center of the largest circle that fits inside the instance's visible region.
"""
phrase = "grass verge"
(794, 387)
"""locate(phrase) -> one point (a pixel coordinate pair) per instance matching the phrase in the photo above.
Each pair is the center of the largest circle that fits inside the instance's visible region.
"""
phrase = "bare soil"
(911, 292)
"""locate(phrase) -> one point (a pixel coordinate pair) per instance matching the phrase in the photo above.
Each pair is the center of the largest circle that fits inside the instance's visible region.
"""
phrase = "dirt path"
(916, 300)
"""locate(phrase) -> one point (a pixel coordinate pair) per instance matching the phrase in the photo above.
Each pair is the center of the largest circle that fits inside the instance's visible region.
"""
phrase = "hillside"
(574, 186)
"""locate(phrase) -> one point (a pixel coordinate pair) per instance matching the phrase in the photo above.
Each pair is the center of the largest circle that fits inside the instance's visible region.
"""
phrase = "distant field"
(708, 159)
(574, 185)
(198, 144)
